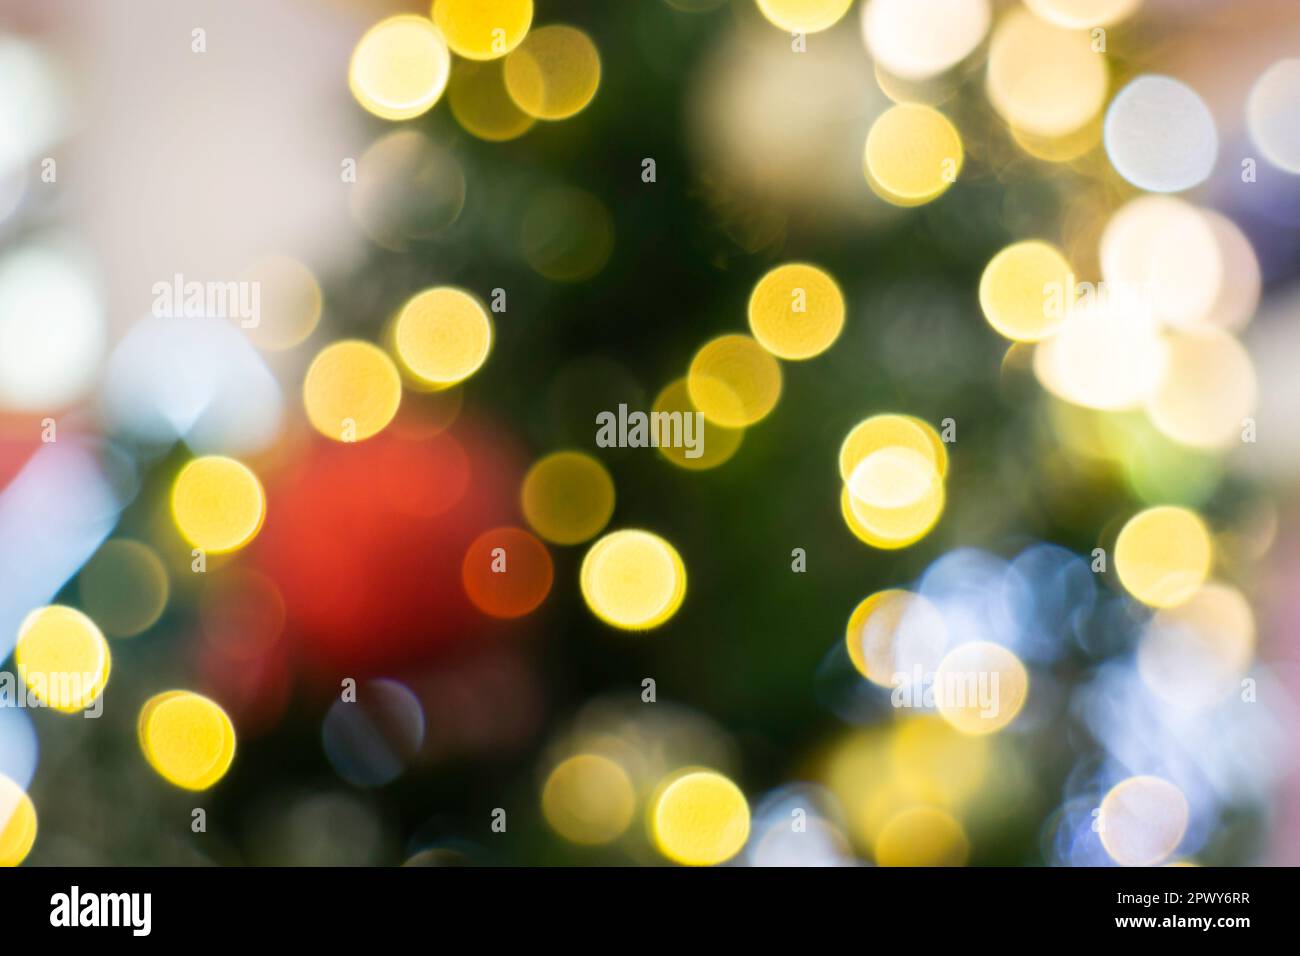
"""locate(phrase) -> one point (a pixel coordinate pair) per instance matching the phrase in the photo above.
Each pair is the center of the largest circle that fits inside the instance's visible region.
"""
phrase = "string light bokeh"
(970, 325)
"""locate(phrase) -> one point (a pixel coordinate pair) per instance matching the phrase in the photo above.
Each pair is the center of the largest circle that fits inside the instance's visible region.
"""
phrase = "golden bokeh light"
(1025, 289)
(804, 16)
(734, 381)
(1208, 390)
(633, 580)
(796, 311)
(922, 836)
(913, 154)
(589, 799)
(442, 336)
(17, 823)
(481, 104)
(554, 73)
(567, 497)
(124, 587)
(187, 738)
(892, 632)
(351, 391)
(62, 657)
(892, 528)
(218, 504)
(1142, 820)
(483, 29)
(399, 68)
(980, 687)
(1106, 355)
(700, 819)
(1083, 14)
(891, 430)
(718, 443)
(1163, 555)
(1043, 79)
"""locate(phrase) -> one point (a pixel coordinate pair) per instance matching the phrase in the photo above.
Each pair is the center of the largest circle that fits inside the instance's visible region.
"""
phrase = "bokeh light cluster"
(321, 526)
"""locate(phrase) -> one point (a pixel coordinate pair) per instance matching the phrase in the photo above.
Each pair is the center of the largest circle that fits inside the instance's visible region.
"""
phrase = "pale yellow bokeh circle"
(567, 497)
(124, 587)
(218, 504)
(479, 101)
(796, 311)
(442, 336)
(1195, 654)
(483, 29)
(187, 738)
(62, 657)
(718, 444)
(1042, 79)
(892, 478)
(289, 300)
(399, 67)
(913, 154)
(17, 823)
(892, 528)
(589, 799)
(700, 819)
(734, 381)
(980, 687)
(554, 73)
(351, 391)
(1026, 290)
(1083, 14)
(1208, 389)
(922, 836)
(633, 579)
(892, 631)
(1142, 820)
(1163, 555)
(804, 16)
(891, 430)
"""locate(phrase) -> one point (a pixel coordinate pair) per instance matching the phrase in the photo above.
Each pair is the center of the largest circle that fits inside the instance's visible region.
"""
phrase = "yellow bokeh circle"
(891, 632)
(716, 444)
(218, 504)
(399, 67)
(187, 738)
(554, 73)
(891, 430)
(481, 104)
(734, 381)
(351, 391)
(1026, 290)
(796, 311)
(922, 836)
(700, 819)
(17, 823)
(567, 497)
(913, 154)
(633, 579)
(443, 336)
(804, 16)
(483, 29)
(1163, 555)
(980, 687)
(589, 799)
(62, 657)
